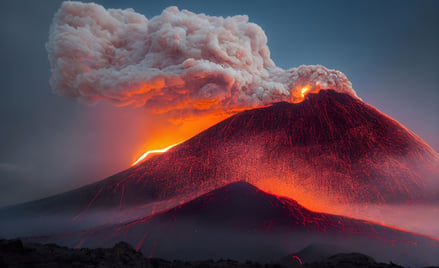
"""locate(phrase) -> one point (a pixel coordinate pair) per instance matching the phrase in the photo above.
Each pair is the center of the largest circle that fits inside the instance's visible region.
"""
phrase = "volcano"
(240, 221)
(219, 193)
(331, 148)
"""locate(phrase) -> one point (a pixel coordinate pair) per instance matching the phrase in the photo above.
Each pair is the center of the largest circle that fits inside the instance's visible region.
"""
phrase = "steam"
(175, 62)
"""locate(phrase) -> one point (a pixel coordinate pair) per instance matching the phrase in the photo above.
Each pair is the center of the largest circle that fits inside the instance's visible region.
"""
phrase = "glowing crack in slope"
(157, 151)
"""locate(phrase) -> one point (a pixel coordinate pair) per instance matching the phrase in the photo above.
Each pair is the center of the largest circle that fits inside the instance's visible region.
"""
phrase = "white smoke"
(177, 61)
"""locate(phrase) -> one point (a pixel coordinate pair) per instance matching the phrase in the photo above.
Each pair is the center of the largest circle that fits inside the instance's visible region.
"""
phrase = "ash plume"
(177, 62)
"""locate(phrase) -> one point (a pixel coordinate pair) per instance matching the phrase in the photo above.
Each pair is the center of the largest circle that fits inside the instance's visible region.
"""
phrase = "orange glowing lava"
(166, 130)
(304, 91)
(299, 95)
(157, 151)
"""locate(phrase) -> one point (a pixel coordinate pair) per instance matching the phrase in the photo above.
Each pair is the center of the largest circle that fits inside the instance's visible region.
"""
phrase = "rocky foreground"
(13, 253)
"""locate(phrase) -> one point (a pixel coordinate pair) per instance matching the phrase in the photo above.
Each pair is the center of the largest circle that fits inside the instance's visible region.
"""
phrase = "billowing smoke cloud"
(178, 61)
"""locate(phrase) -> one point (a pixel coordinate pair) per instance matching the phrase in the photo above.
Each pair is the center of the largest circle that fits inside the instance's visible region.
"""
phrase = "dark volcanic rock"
(350, 260)
(14, 254)
(314, 252)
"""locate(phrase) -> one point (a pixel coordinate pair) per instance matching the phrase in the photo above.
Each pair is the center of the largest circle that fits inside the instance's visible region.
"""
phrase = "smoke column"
(178, 62)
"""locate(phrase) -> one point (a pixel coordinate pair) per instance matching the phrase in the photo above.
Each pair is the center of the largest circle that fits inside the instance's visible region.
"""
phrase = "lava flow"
(151, 152)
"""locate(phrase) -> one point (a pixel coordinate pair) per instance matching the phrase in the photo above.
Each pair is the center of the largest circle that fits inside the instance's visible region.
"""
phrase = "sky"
(49, 144)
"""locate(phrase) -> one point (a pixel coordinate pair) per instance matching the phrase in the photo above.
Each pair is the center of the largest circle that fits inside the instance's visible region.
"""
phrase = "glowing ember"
(157, 151)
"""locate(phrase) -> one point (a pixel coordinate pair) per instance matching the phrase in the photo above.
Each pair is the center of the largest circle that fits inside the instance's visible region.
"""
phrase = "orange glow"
(299, 95)
(150, 152)
(282, 188)
(304, 91)
(163, 131)
(205, 104)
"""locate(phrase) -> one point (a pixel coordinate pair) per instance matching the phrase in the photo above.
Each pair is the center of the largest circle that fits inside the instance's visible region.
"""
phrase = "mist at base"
(421, 219)
(207, 242)
(237, 221)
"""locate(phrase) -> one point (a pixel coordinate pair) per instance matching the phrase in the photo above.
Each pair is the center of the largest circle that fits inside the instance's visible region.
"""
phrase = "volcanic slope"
(330, 148)
(240, 221)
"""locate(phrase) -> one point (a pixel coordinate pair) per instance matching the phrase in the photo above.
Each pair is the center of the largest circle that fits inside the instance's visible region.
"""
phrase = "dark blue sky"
(388, 49)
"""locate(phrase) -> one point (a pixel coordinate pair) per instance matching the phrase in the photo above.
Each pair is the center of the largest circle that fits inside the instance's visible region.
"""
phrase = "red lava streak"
(298, 259)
